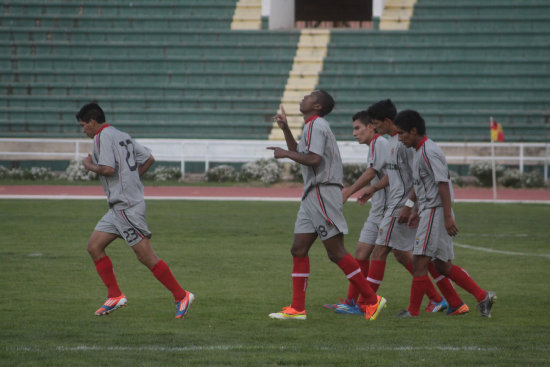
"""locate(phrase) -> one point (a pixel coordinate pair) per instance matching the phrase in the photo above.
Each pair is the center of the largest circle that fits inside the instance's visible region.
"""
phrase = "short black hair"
(91, 111)
(406, 120)
(381, 110)
(326, 101)
(363, 117)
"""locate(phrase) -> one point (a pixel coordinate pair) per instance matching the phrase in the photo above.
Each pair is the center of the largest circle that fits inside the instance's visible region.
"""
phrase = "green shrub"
(221, 173)
(352, 172)
(483, 171)
(267, 171)
(511, 178)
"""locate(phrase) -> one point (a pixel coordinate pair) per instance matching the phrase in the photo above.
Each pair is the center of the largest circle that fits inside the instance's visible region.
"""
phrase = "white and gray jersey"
(116, 149)
(399, 161)
(378, 148)
(317, 137)
(429, 168)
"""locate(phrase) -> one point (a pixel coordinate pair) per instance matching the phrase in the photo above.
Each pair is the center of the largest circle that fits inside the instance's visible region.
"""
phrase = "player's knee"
(298, 252)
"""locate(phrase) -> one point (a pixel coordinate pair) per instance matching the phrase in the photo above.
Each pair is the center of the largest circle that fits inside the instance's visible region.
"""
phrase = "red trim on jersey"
(322, 205)
(371, 141)
(421, 142)
(428, 230)
(311, 119)
(104, 126)
(393, 134)
(390, 228)
(310, 127)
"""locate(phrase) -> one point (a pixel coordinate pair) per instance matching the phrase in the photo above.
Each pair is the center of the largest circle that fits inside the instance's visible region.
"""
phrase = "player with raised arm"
(321, 209)
(120, 161)
(433, 215)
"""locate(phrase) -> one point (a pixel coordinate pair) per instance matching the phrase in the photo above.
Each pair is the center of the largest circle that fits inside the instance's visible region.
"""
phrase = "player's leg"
(147, 256)
(97, 244)
(458, 275)
(377, 266)
(300, 274)
(362, 256)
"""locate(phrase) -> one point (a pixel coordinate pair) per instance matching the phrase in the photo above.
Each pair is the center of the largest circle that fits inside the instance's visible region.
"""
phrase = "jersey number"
(130, 234)
(130, 157)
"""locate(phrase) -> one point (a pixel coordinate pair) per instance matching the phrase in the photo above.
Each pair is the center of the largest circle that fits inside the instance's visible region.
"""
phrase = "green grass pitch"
(235, 257)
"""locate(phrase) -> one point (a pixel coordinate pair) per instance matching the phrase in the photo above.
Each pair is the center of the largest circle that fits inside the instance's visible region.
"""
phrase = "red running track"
(247, 193)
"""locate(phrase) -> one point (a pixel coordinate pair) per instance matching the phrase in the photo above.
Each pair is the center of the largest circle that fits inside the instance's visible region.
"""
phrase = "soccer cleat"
(462, 310)
(112, 304)
(486, 305)
(349, 309)
(333, 306)
(436, 306)
(182, 306)
(289, 313)
(372, 311)
(405, 314)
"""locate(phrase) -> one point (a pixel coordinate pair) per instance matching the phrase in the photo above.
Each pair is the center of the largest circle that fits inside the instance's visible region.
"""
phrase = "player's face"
(407, 138)
(380, 126)
(88, 128)
(362, 133)
(308, 103)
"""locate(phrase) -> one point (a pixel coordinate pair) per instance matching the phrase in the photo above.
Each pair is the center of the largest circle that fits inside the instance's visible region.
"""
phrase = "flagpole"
(493, 161)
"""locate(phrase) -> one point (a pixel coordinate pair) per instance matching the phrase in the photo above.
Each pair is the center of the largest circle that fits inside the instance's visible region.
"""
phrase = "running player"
(120, 161)
(365, 133)
(394, 234)
(321, 209)
(433, 216)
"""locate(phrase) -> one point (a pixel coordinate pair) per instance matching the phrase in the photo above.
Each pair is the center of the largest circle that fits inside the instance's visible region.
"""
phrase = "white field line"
(223, 348)
(484, 249)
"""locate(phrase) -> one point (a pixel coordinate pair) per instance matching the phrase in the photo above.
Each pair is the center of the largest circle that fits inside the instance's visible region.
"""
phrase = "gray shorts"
(395, 235)
(369, 233)
(432, 238)
(126, 223)
(321, 211)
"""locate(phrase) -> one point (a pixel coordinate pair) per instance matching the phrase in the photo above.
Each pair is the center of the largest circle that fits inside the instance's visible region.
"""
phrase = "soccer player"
(394, 234)
(120, 161)
(365, 133)
(434, 216)
(321, 209)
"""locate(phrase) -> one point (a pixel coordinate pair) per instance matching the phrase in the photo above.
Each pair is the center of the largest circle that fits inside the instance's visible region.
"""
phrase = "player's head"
(91, 111)
(363, 128)
(325, 100)
(382, 114)
(411, 127)
(318, 102)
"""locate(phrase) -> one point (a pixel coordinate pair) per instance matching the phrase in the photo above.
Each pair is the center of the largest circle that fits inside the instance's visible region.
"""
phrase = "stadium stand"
(184, 69)
(169, 68)
(459, 63)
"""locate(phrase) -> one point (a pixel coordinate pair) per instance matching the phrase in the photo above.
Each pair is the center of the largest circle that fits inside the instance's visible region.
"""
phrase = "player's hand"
(414, 220)
(88, 162)
(280, 119)
(365, 194)
(450, 226)
(278, 152)
(404, 215)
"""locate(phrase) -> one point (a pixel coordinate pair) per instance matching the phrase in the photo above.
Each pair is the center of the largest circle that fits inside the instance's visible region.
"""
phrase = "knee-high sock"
(418, 289)
(376, 274)
(104, 268)
(461, 277)
(446, 287)
(300, 274)
(353, 292)
(353, 272)
(162, 272)
(432, 294)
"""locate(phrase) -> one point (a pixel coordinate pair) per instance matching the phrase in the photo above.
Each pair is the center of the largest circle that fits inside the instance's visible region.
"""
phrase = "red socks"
(353, 292)
(300, 274)
(104, 268)
(418, 289)
(162, 272)
(430, 291)
(446, 287)
(376, 274)
(460, 277)
(353, 272)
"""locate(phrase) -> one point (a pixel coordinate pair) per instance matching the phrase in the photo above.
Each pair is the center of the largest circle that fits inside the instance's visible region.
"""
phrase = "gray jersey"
(118, 150)
(399, 161)
(429, 168)
(378, 148)
(317, 137)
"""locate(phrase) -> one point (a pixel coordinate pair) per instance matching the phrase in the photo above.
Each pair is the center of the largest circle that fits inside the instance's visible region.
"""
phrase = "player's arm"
(369, 191)
(408, 209)
(282, 122)
(445, 194)
(96, 168)
(145, 166)
(307, 159)
(361, 182)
